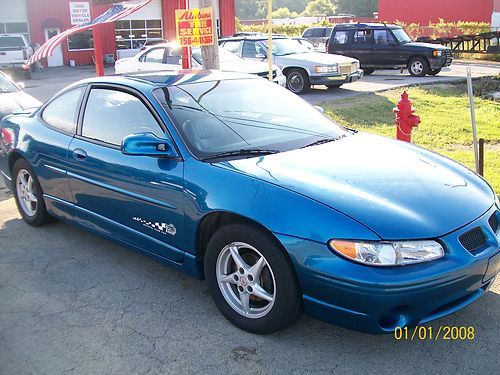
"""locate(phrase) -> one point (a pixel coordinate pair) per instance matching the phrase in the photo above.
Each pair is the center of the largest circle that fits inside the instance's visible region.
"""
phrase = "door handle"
(79, 154)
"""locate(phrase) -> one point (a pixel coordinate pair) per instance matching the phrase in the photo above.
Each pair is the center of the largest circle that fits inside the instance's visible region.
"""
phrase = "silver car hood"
(313, 57)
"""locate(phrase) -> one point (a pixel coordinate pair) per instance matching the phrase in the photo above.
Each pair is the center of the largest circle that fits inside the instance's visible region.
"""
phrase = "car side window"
(362, 37)
(251, 49)
(319, 33)
(153, 56)
(173, 56)
(232, 46)
(110, 115)
(62, 112)
(383, 37)
(340, 37)
(308, 33)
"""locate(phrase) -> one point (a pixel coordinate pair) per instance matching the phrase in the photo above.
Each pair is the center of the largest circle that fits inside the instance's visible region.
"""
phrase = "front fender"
(211, 188)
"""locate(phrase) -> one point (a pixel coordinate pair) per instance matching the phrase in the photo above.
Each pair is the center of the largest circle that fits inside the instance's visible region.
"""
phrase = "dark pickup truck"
(384, 46)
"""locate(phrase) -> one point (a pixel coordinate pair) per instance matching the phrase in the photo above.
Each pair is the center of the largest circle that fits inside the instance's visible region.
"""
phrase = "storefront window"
(81, 41)
(133, 34)
(15, 28)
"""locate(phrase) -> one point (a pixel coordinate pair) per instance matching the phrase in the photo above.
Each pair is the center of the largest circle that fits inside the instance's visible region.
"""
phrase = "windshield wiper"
(323, 140)
(242, 152)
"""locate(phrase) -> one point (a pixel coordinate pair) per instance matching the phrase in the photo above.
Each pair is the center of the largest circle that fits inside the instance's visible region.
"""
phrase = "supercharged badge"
(162, 228)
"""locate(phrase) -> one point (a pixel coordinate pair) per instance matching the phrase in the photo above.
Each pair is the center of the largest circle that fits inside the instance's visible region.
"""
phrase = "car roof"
(369, 25)
(252, 37)
(169, 77)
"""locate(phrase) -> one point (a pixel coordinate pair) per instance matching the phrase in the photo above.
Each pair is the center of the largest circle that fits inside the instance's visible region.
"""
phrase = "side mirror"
(148, 144)
(318, 108)
(21, 85)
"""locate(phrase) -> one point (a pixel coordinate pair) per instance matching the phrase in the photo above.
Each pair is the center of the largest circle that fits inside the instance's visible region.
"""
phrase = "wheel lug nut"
(249, 289)
(250, 278)
(241, 289)
(236, 278)
(241, 271)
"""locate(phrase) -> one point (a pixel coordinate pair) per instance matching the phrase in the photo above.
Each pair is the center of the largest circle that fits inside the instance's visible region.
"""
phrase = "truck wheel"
(297, 81)
(418, 67)
(434, 72)
(368, 71)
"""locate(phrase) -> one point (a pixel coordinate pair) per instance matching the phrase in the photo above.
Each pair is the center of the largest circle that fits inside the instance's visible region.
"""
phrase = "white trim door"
(57, 57)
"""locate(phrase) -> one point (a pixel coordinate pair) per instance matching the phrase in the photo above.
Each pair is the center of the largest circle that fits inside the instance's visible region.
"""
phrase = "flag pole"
(97, 36)
(270, 37)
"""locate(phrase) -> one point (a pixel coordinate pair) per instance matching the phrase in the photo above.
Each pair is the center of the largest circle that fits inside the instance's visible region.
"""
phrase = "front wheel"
(297, 81)
(251, 279)
(368, 71)
(28, 194)
(434, 72)
(419, 67)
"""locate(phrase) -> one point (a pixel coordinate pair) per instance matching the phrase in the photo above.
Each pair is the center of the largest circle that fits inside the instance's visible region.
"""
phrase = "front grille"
(346, 69)
(493, 221)
(473, 239)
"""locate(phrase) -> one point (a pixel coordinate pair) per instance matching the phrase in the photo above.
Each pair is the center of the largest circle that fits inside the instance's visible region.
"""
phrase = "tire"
(434, 72)
(368, 71)
(231, 282)
(28, 194)
(419, 67)
(333, 86)
(297, 81)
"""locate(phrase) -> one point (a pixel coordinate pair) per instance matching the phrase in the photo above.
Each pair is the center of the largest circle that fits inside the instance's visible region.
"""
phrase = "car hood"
(16, 101)
(396, 189)
(245, 66)
(425, 45)
(315, 57)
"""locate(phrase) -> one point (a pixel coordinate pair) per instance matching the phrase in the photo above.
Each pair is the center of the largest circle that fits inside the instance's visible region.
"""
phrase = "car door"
(59, 116)
(152, 60)
(136, 199)
(361, 46)
(385, 49)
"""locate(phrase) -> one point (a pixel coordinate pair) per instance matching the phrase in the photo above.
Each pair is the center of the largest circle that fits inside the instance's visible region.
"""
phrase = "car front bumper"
(280, 80)
(380, 299)
(338, 79)
(440, 62)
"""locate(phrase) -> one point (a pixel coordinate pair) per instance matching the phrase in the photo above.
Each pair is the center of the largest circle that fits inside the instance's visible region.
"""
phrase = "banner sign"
(194, 27)
(79, 12)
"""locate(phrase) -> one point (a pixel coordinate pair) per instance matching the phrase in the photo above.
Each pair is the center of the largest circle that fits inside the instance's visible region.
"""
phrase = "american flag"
(116, 12)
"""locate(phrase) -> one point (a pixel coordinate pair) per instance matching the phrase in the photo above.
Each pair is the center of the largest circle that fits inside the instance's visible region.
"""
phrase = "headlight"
(327, 69)
(388, 253)
(437, 53)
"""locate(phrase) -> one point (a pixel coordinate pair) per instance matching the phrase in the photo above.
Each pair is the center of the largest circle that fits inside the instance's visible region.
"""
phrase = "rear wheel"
(28, 194)
(297, 81)
(419, 67)
(251, 280)
(434, 72)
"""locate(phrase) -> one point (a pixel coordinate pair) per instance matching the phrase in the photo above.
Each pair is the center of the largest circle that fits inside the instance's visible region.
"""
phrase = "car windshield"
(224, 56)
(244, 114)
(284, 46)
(6, 85)
(401, 35)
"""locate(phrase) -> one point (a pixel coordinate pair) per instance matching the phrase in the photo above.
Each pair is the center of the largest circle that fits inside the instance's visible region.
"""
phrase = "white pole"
(473, 118)
(270, 37)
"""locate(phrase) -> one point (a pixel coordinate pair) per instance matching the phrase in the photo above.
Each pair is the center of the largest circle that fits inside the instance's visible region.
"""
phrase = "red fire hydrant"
(405, 119)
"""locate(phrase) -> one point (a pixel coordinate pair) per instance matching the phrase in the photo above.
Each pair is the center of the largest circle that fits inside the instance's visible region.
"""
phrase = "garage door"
(14, 17)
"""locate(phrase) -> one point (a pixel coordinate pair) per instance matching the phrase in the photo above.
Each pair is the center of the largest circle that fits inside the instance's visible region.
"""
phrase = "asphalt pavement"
(73, 302)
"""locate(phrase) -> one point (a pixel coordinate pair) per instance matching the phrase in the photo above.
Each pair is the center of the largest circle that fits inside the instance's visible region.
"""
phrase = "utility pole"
(270, 37)
(210, 54)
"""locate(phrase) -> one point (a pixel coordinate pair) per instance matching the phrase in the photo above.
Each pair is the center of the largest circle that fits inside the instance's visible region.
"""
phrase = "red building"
(41, 19)
(425, 11)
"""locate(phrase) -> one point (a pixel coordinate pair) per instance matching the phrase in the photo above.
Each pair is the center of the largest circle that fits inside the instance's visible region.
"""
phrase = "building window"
(133, 34)
(15, 28)
(81, 41)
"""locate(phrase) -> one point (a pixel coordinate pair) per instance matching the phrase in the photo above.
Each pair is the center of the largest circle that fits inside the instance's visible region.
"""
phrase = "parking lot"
(73, 302)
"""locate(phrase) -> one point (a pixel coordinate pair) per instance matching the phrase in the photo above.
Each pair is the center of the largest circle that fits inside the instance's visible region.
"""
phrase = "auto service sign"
(79, 12)
(194, 27)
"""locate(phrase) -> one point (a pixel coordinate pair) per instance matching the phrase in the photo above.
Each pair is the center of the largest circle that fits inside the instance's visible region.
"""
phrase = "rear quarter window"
(62, 112)
(340, 37)
(308, 33)
(14, 42)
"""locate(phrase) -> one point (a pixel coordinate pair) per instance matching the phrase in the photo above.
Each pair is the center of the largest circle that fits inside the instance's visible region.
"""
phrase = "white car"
(167, 56)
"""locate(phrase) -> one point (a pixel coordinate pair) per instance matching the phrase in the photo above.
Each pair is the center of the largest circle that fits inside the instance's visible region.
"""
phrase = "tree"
(284, 13)
(361, 8)
(319, 7)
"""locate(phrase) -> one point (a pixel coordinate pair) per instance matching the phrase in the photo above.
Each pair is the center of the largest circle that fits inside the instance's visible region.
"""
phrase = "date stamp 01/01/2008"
(435, 333)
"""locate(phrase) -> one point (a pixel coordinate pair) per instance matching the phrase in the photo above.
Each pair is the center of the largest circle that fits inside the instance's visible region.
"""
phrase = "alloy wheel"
(26, 192)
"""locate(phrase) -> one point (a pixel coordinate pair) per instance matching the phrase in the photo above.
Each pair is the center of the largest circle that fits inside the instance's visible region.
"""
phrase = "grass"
(445, 122)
